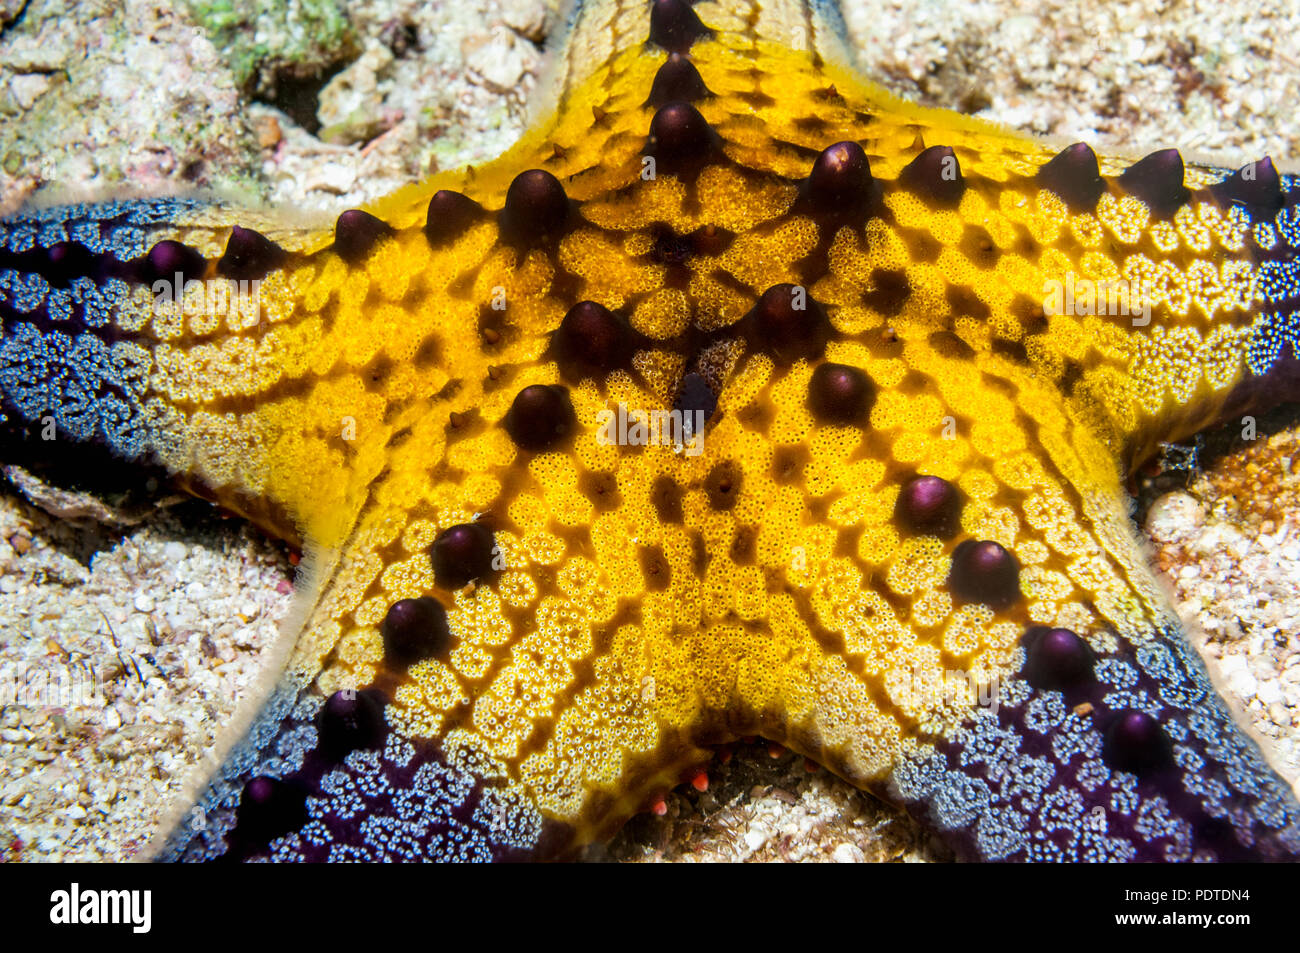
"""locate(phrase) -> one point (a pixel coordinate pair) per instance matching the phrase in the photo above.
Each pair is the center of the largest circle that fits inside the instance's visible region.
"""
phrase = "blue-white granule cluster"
(1031, 781)
(397, 804)
(118, 228)
(407, 800)
(1279, 287)
(58, 361)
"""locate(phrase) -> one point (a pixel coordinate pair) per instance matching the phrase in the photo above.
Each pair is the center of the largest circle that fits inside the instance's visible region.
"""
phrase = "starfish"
(737, 398)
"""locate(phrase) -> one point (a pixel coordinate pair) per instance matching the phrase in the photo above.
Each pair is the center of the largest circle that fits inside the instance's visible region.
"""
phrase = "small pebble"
(848, 854)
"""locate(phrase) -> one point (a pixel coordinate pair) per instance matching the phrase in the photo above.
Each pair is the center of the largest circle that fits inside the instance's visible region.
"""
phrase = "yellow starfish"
(737, 398)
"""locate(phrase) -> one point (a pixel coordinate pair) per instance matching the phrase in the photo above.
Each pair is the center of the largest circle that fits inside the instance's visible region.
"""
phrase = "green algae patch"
(262, 39)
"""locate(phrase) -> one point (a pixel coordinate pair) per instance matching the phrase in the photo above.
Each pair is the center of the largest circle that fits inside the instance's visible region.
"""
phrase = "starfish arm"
(1158, 320)
(69, 313)
(154, 332)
